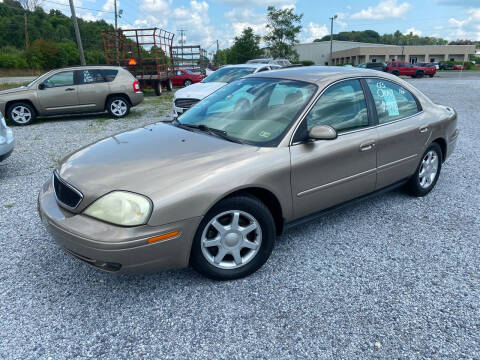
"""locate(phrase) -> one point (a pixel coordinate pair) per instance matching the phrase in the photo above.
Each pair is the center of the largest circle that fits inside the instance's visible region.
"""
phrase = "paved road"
(393, 277)
(17, 79)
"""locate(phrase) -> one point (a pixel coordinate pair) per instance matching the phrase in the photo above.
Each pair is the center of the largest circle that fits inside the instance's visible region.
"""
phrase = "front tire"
(431, 75)
(187, 82)
(428, 171)
(234, 239)
(118, 106)
(21, 114)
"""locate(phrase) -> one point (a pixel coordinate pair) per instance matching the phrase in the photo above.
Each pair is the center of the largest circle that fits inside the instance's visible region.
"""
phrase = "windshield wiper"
(212, 131)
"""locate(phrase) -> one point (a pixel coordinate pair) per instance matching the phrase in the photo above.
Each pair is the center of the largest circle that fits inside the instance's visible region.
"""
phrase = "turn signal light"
(163, 237)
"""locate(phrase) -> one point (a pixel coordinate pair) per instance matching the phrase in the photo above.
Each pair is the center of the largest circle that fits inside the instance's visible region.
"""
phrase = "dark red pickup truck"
(405, 68)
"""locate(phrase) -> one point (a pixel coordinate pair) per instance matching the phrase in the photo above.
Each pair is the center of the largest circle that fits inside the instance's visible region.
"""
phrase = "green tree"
(283, 28)
(220, 58)
(245, 47)
(397, 38)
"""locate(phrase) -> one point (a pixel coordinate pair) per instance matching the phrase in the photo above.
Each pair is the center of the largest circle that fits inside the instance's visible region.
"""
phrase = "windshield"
(255, 111)
(228, 74)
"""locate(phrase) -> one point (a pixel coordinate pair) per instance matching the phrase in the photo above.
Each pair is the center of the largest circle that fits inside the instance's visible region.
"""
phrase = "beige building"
(349, 52)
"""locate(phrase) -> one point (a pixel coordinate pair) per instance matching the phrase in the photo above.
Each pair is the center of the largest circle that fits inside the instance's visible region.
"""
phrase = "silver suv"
(72, 90)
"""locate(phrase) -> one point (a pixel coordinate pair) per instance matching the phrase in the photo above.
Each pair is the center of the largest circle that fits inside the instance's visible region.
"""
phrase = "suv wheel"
(234, 239)
(118, 106)
(21, 113)
(396, 72)
(187, 82)
(419, 74)
(428, 171)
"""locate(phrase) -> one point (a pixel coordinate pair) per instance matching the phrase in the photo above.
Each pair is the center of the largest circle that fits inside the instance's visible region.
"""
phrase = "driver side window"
(342, 106)
(60, 79)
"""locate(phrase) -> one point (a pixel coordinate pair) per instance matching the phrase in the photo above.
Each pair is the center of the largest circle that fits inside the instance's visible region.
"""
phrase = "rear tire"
(168, 85)
(118, 106)
(21, 113)
(234, 239)
(157, 87)
(428, 171)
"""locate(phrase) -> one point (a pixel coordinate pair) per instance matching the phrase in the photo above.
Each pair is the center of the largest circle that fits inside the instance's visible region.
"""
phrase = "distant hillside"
(397, 38)
(51, 38)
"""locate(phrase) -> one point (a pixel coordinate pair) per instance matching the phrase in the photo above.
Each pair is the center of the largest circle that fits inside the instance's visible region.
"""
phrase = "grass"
(20, 72)
(5, 86)
(9, 206)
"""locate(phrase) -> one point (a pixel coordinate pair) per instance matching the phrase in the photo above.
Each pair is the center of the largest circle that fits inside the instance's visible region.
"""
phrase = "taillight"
(136, 86)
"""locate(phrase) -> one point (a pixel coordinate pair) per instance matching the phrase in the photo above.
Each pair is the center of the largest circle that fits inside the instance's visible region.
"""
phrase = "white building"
(351, 52)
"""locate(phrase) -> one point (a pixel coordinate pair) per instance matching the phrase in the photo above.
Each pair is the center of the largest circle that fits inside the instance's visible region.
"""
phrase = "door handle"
(367, 146)
(69, 89)
(423, 129)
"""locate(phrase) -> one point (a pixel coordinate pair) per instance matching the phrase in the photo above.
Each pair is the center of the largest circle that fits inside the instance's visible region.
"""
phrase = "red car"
(185, 77)
(405, 68)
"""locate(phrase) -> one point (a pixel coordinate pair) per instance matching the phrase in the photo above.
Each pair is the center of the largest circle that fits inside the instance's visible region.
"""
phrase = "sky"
(206, 21)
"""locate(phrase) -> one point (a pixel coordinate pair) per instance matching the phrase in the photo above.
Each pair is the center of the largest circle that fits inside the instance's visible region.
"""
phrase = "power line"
(80, 7)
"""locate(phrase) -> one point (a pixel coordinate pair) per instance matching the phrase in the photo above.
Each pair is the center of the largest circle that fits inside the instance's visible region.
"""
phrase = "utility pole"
(27, 41)
(77, 34)
(116, 32)
(331, 39)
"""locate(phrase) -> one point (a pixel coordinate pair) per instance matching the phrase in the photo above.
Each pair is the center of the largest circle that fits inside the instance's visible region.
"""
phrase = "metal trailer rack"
(146, 53)
(191, 57)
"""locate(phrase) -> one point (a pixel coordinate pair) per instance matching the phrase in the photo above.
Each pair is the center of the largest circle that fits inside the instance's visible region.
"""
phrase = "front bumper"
(6, 144)
(178, 110)
(113, 248)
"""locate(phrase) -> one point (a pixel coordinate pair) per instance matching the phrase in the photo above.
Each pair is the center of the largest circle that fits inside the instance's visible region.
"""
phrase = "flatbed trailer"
(146, 53)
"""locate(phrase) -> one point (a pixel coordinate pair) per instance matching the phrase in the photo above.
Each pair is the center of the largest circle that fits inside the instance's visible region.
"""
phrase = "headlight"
(121, 208)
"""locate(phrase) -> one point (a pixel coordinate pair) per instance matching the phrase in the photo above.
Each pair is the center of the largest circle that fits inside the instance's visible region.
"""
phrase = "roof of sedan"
(256, 65)
(316, 74)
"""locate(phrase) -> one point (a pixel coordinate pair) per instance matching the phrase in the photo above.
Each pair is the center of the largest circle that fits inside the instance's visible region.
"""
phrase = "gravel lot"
(393, 277)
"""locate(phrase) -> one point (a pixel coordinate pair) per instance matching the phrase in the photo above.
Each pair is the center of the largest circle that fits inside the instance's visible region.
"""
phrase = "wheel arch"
(443, 146)
(267, 197)
(123, 95)
(12, 102)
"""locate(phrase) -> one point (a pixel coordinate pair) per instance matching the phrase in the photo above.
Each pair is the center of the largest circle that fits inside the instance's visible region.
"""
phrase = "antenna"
(182, 39)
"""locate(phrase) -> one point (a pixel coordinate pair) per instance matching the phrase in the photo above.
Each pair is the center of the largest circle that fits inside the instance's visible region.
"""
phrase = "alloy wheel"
(119, 107)
(21, 114)
(231, 239)
(428, 169)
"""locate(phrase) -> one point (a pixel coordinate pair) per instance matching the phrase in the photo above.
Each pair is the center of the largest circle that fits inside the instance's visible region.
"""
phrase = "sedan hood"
(152, 160)
(199, 90)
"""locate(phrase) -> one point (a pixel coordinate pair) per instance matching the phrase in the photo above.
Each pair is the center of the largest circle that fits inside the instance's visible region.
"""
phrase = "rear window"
(110, 74)
(90, 76)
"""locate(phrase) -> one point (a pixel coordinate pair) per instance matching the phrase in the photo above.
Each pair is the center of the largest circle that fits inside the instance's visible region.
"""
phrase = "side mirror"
(41, 86)
(322, 132)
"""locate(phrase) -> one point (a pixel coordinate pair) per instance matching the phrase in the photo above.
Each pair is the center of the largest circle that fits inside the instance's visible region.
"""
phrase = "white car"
(6, 139)
(185, 98)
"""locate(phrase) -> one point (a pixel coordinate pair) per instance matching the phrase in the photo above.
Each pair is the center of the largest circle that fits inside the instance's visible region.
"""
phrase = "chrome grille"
(66, 194)
(185, 103)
